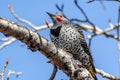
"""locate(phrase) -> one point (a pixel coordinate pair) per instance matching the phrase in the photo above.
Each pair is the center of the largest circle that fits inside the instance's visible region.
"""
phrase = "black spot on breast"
(56, 31)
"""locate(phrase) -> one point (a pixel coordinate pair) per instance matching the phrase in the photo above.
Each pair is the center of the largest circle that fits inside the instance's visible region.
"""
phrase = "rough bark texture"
(63, 60)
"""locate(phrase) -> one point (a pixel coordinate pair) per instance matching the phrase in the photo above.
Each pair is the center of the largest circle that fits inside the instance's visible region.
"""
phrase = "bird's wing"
(86, 49)
(82, 40)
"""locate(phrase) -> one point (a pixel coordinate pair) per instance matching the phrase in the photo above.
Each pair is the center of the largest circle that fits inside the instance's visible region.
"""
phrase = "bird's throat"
(55, 32)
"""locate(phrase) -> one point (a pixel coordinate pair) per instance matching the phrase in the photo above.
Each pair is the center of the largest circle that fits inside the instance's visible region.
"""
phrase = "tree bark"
(63, 60)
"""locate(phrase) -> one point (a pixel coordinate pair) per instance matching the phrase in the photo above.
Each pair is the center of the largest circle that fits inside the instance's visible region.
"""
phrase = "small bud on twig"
(47, 23)
(7, 61)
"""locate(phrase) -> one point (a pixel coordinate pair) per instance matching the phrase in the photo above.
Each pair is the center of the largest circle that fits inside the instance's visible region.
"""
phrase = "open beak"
(51, 15)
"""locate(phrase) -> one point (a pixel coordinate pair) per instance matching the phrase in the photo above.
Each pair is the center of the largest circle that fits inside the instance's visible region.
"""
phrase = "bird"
(69, 37)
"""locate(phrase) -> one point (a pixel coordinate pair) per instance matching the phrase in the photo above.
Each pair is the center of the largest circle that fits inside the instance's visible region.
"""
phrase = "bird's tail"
(92, 72)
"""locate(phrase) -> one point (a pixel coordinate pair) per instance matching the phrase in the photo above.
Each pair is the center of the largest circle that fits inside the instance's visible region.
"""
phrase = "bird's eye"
(60, 16)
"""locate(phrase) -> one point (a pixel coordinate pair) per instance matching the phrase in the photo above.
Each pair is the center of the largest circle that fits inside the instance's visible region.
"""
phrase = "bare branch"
(53, 73)
(60, 8)
(18, 18)
(86, 17)
(118, 31)
(5, 39)
(4, 68)
(25, 21)
(13, 73)
(10, 71)
(76, 3)
(42, 27)
(103, 5)
(10, 41)
(106, 75)
(112, 27)
(119, 45)
(98, 31)
(118, 20)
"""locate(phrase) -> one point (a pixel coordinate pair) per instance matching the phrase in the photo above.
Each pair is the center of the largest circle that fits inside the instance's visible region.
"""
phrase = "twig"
(118, 20)
(86, 17)
(106, 75)
(53, 73)
(18, 18)
(13, 73)
(10, 71)
(104, 7)
(5, 39)
(61, 8)
(117, 30)
(90, 37)
(86, 20)
(11, 40)
(4, 68)
(78, 20)
(76, 3)
(112, 27)
(43, 27)
(47, 24)
(25, 21)
(98, 31)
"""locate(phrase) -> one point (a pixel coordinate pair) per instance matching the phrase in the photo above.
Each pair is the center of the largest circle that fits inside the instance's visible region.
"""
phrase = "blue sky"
(34, 65)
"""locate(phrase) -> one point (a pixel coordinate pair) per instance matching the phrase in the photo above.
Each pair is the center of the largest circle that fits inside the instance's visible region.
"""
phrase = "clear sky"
(34, 65)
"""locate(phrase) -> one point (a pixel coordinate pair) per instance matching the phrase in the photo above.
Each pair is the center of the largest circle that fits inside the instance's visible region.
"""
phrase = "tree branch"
(106, 75)
(25, 21)
(53, 73)
(86, 17)
(5, 39)
(11, 40)
(99, 31)
(4, 68)
(13, 72)
(88, 28)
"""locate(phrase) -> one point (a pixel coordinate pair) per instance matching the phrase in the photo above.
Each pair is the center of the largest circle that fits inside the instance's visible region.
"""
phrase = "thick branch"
(61, 59)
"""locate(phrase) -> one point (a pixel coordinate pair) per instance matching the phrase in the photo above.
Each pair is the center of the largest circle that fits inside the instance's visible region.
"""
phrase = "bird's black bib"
(56, 31)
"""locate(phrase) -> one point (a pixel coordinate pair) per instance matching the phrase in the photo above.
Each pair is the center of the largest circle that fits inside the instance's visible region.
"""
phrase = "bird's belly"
(70, 42)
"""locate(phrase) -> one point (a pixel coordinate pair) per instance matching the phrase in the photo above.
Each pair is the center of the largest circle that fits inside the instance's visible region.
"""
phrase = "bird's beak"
(51, 15)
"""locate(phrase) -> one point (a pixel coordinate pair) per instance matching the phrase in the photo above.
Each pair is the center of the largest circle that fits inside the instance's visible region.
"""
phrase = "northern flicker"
(69, 37)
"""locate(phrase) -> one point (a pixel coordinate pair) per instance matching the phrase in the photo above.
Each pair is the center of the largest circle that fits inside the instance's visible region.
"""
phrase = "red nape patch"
(59, 19)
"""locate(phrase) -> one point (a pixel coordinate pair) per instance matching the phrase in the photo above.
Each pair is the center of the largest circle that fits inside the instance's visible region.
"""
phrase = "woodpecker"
(69, 37)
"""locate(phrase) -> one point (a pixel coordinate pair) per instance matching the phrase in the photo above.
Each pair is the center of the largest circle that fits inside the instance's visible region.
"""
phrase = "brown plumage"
(70, 38)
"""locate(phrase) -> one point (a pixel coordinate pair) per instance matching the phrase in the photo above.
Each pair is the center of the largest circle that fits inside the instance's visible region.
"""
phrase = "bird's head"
(58, 18)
